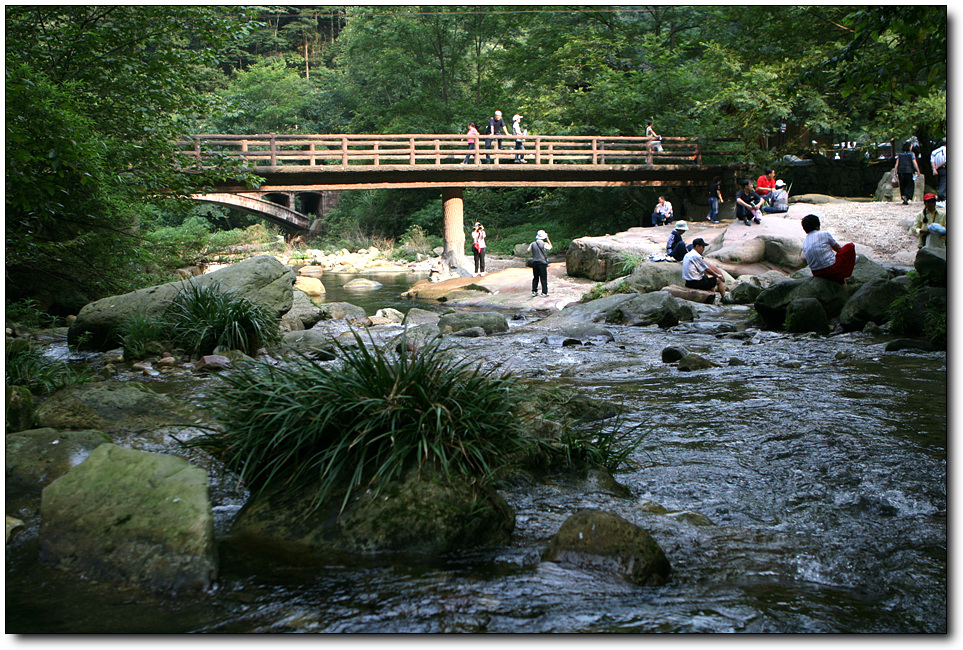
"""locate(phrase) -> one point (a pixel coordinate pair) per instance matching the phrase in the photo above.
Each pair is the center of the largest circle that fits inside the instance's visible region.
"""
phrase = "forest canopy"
(95, 96)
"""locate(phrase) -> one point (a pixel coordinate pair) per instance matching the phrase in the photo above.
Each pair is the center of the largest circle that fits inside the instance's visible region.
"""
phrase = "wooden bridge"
(315, 163)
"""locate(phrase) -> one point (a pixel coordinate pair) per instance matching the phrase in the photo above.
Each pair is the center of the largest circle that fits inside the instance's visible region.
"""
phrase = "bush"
(141, 337)
(28, 313)
(202, 319)
(371, 420)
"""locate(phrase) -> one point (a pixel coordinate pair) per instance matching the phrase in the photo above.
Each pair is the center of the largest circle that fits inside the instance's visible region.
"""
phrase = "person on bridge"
(478, 247)
(825, 257)
(700, 274)
(519, 143)
(472, 139)
(655, 144)
(495, 124)
(539, 250)
(662, 213)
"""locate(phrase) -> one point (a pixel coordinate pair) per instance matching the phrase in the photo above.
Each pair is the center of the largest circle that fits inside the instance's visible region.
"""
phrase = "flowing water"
(820, 463)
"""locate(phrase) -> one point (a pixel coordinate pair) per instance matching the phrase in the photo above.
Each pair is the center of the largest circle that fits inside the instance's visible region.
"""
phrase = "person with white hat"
(519, 144)
(675, 247)
(539, 262)
(778, 199)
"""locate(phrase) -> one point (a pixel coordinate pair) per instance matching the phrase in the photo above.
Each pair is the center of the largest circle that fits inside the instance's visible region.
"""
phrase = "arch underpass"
(290, 220)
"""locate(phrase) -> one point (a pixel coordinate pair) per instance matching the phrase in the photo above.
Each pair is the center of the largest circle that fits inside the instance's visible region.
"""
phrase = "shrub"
(140, 336)
(28, 313)
(203, 318)
(371, 420)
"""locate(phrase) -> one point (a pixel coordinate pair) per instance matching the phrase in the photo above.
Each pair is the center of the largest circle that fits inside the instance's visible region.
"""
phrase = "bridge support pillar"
(453, 208)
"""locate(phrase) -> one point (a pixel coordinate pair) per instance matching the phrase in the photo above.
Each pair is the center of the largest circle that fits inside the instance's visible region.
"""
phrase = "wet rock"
(113, 406)
(871, 302)
(304, 314)
(362, 284)
(658, 308)
(418, 515)
(897, 345)
(593, 539)
(693, 361)
(772, 303)
(689, 517)
(20, 412)
(309, 286)
(416, 316)
(213, 363)
(13, 524)
(806, 315)
(341, 310)
(471, 332)
(744, 293)
(33, 459)
(672, 354)
(930, 264)
(492, 322)
(736, 361)
(416, 337)
(315, 344)
(131, 517)
(587, 333)
(391, 315)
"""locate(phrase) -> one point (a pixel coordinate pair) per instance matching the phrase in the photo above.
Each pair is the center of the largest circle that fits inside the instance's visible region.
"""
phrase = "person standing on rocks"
(715, 199)
(478, 248)
(825, 257)
(539, 250)
(698, 273)
(905, 170)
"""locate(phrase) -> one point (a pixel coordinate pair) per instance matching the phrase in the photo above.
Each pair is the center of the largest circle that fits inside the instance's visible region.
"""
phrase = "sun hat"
(929, 196)
(699, 241)
(516, 117)
(780, 184)
(681, 225)
(541, 235)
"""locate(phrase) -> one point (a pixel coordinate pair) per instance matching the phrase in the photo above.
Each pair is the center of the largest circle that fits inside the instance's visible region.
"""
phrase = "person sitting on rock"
(825, 257)
(698, 273)
(778, 199)
(930, 224)
(748, 204)
(662, 213)
(676, 247)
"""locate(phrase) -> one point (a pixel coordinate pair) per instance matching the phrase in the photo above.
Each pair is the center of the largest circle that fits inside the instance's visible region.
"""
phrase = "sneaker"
(483, 274)
(747, 222)
(534, 294)
(544, 295)
(757, 220)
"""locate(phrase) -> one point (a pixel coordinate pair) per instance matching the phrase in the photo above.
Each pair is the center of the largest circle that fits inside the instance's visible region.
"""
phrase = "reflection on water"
(388, 295)
(821, 464)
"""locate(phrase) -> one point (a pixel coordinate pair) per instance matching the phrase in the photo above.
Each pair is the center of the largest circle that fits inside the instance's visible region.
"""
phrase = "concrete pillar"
(453, 208)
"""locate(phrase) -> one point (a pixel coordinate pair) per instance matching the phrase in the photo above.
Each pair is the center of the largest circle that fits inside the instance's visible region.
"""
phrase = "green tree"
(96, 96)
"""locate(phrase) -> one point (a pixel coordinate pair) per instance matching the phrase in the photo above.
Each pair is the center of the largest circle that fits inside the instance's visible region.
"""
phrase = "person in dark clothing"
(906, 167)
(715, 199)
(539, 249)
(676, 247)
(496, 126)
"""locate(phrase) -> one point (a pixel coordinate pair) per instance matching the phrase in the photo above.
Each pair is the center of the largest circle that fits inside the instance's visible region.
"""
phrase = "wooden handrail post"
(437, 151)
(274, 150)
(344, 151)
(411, 151)
(312, 152)
(377, 158)
(538, 150)
(595, 151)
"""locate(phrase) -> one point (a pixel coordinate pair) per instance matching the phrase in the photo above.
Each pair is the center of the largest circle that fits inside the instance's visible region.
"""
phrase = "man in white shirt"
(699, 273)
(938, 162)
(825, 257)
(663, 212)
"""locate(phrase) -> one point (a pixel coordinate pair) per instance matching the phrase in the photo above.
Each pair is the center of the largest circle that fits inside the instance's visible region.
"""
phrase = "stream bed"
(819, 463)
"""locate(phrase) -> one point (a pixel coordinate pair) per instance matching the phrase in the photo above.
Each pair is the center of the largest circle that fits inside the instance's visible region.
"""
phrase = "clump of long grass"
(202, 318)
(378, 416)
(141, 336)
(25, 366)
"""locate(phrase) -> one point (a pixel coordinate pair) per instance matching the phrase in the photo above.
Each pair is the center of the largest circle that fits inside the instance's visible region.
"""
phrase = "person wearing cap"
(676, 247)
(778, 199)
(494, 124)
(699, 273)
(519, 143)
(662, 213)
(539, 250)
(930, 224)
(478, 248)
(825, 257)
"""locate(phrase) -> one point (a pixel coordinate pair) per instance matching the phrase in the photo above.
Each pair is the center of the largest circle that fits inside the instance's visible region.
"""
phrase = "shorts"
(707, 283)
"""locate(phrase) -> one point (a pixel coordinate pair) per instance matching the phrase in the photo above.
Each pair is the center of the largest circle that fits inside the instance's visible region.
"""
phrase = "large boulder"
(602, 259)
(594, 539)
(261, 279)
(342, 310)
(772, 303)
(19, 413)
(490, 321)
(114, 407)
(653, 276)
(418, 515)
(870, 303)
(131, 517)
(931, 265)
(303, 313)
(806, 315)
(33, 459)
(309, 285)
(316, 344)
(658, 308)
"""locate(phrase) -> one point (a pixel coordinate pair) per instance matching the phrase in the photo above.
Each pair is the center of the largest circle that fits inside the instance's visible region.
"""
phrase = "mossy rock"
(20, 412)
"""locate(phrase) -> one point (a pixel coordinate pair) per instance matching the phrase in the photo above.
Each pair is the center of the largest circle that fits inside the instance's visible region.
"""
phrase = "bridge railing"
(441, 149)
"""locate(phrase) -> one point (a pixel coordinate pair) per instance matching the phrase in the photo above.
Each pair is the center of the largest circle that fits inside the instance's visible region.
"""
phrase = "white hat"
(681, 225)
(498, 112)
(780, 183)
(516, 117)
(541, 235)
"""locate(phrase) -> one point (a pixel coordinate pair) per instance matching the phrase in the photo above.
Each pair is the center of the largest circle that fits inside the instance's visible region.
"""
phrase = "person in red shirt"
(472, 137)
(766, 184)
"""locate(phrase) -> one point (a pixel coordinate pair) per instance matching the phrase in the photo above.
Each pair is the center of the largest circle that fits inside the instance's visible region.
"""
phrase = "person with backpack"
(539, 262)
